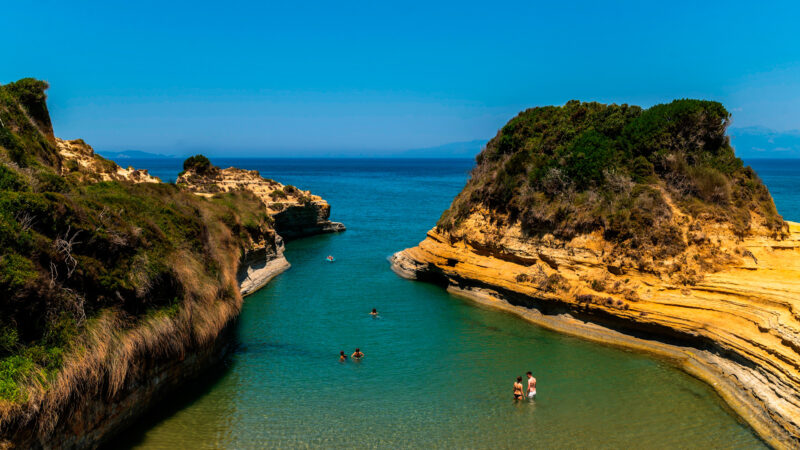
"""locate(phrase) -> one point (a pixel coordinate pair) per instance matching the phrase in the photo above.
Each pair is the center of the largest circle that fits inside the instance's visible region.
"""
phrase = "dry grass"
(115, 348)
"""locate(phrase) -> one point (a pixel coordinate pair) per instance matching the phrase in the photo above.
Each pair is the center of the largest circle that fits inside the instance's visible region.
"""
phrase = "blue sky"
(347, 78)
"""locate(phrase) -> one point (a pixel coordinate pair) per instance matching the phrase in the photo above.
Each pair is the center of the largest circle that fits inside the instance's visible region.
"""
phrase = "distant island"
(760, 142)
(133, 154)
(466, 149)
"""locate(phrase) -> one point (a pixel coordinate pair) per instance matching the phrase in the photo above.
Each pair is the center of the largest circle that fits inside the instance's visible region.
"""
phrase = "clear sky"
(306, 78)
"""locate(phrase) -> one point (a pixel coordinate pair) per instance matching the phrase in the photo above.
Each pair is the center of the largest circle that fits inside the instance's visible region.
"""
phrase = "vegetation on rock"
(584, 167)
(83, 265)
(198, 164)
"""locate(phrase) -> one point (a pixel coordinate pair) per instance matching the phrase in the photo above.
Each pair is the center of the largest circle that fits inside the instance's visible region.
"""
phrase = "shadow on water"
(171, 404)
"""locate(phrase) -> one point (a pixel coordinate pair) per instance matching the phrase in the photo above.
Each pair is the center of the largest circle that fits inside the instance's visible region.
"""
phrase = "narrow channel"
(438, 370)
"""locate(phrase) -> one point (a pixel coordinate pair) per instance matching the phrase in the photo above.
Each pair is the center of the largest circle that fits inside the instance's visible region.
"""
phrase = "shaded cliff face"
(113, 293)
(712, 283)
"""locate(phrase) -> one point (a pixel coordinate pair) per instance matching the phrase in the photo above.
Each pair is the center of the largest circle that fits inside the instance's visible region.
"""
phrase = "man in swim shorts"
(357, 354)
(531, 386)
(518, 389)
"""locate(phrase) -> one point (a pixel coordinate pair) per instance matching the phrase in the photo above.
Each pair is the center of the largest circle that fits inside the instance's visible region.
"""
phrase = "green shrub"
(10, 181)
(71, 165)
(642, 169)
(199, 164)
(30, 93)
(15, 272)
(587, 157)
(13, 370)
(9, 340)
(13, 146)
(711, 185)
(277, 194)
(50, 182)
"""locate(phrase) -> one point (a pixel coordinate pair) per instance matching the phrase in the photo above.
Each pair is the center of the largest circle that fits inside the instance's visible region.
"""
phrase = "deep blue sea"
(438, 371)
(782, 176)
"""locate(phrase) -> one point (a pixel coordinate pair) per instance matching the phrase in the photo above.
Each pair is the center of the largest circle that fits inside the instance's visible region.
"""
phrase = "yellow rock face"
(734, 322)
(81, 161)
(275, 195)
(296, 212)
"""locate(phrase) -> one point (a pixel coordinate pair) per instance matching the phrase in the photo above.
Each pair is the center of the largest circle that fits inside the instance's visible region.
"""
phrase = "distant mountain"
(761, 142)
(131, 154)
(467, 149)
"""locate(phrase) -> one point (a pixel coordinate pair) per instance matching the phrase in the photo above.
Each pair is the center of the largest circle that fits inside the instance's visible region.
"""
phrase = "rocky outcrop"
(638, 227)
(80, 161)
(737, 326)
(296, 213)
(260, 265)
(300, 220)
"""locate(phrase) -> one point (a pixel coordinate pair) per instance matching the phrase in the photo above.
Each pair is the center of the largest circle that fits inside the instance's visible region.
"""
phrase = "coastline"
(681, 357)
(489, 281)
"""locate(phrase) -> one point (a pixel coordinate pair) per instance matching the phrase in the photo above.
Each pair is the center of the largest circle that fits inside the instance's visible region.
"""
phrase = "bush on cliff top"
(198, 164)
(586, 166)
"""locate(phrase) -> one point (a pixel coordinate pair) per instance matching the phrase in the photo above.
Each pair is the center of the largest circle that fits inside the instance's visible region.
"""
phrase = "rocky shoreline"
(739, 334)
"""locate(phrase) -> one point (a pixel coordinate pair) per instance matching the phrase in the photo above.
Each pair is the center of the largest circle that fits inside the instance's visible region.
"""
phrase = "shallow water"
(438, 370)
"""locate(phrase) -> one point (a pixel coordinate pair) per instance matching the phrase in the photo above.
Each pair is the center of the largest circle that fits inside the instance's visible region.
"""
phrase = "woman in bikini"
(518, 389)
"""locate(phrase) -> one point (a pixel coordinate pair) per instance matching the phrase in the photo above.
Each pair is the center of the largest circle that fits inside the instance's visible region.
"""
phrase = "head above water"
(374, 310)
(529, 374)
(342, 353)
(358, 350)
(519, 378)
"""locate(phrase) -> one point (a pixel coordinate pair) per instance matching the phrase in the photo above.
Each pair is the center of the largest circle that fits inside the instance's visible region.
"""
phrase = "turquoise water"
(438, 370)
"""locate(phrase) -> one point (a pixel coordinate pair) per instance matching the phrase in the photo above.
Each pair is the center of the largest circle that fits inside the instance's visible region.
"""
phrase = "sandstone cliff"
(81, 162)
(718, 299)
(296, 213)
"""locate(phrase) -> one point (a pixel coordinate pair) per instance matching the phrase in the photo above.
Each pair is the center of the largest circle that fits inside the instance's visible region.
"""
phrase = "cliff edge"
(296, 213)
(637, 228)
(115, 288)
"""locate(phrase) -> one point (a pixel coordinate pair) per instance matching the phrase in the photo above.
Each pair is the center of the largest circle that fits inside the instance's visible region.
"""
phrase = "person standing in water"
(374, 313)
(531, 386)
(357, 355)
(342, 356)
(518, 389)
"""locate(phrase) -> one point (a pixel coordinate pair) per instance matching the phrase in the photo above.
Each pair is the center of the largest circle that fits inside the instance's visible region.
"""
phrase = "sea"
(438, 370)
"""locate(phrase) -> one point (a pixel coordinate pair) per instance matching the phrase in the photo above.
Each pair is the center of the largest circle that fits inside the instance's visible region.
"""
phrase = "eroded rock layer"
(296, 213)
(80, 161)
(638, 227)
(737, 327)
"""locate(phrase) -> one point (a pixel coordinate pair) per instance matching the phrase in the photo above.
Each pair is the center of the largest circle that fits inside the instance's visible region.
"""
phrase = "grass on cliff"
(583, 167)
(87, 267)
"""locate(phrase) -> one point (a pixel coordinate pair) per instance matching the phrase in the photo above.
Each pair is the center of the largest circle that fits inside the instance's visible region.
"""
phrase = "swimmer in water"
(374, 313)
(357, 354)
(518, 389)
(342, 356)
(531, 386)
